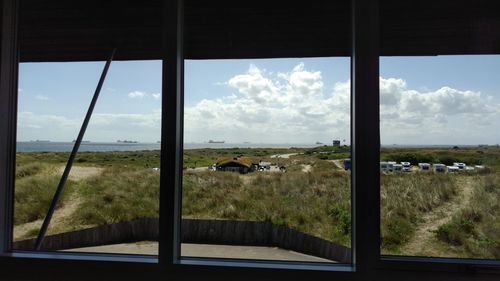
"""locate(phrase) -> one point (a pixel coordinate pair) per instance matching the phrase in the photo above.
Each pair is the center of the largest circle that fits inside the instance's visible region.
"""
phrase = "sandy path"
(339, 163)
(79, 172)
(306, 168)
(61, 218)
(423, 242)
(285, 156)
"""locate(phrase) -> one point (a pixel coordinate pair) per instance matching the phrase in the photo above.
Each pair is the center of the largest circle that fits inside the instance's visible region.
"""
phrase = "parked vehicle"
(439, 168)
(424, 166)
(397, 167)
(406, 166)
(460, 166)
(347, 164)
(386, 167)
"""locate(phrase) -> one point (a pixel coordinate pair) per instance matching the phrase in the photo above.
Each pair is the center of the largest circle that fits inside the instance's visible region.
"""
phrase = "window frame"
(365, 140)
(8, 116)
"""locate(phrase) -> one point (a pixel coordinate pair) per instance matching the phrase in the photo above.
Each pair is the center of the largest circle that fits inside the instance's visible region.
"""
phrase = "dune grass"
(474, 232)
(405, 198)
(118, 195)
(34, 190)
(317, 202)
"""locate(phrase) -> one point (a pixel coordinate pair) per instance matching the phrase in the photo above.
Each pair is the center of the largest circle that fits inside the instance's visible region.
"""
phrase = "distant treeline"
(470, 156)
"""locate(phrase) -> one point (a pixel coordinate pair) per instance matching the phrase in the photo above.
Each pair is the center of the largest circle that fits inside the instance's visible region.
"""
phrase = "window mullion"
(365, 133)
(8, 117)
(172, 112)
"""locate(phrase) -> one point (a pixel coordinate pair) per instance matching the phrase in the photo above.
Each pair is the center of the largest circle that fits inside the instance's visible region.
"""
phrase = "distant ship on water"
(39, 141)
(126, 141)
(319, 142)
(212, 141)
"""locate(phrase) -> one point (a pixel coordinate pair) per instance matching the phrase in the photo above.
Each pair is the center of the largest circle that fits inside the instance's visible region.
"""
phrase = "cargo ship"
(126, 141)
(212, 141)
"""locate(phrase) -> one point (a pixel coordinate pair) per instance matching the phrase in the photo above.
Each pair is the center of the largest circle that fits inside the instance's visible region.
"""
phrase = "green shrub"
(459, 229)
(395, 233)
(342, 218)
(450, 233)
(413, 157)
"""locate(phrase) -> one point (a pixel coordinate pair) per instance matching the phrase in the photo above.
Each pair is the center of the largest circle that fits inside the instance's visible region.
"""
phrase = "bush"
(413, 157)
(81, 160)
(395, 233)
(459, 229)
(343, 219)
(450, 233)
(448, 160)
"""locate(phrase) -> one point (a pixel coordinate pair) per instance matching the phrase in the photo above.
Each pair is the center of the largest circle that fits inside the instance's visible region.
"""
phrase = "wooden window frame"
(367, 263)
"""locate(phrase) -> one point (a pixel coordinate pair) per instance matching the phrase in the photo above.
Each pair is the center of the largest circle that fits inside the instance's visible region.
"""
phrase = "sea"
(49, 146)
(43, 146)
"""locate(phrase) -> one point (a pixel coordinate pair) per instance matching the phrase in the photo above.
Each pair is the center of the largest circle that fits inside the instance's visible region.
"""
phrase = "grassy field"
(458, 215)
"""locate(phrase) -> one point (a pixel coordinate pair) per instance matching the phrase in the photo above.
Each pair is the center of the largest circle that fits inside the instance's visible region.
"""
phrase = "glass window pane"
(440, 177)
(266, 160)
(111, 199)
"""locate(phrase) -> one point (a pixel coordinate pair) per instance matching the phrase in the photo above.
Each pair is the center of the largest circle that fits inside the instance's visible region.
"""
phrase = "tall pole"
(67, 169)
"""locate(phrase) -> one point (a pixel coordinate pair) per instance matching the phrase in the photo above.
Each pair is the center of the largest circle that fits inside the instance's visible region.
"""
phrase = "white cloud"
(287, 107)
(45, 121)
(294, 107)
(126, 121)
(390, 90)
(442, 116)
(137, 94)
(254, 86)
(42, 97)
(102, 126)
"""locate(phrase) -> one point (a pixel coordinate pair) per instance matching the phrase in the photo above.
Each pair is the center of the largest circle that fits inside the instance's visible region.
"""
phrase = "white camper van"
(406, 166)
(424, 166)
(439, 168)
(386, 167)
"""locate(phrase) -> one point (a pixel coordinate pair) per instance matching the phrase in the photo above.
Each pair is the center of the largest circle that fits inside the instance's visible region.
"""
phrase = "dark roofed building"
(242, 165)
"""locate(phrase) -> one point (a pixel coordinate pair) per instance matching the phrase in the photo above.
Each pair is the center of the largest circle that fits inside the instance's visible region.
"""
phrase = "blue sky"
(424, 100)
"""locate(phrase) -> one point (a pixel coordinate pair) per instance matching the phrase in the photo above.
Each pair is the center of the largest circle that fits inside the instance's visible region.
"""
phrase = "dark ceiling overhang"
(78, 30)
